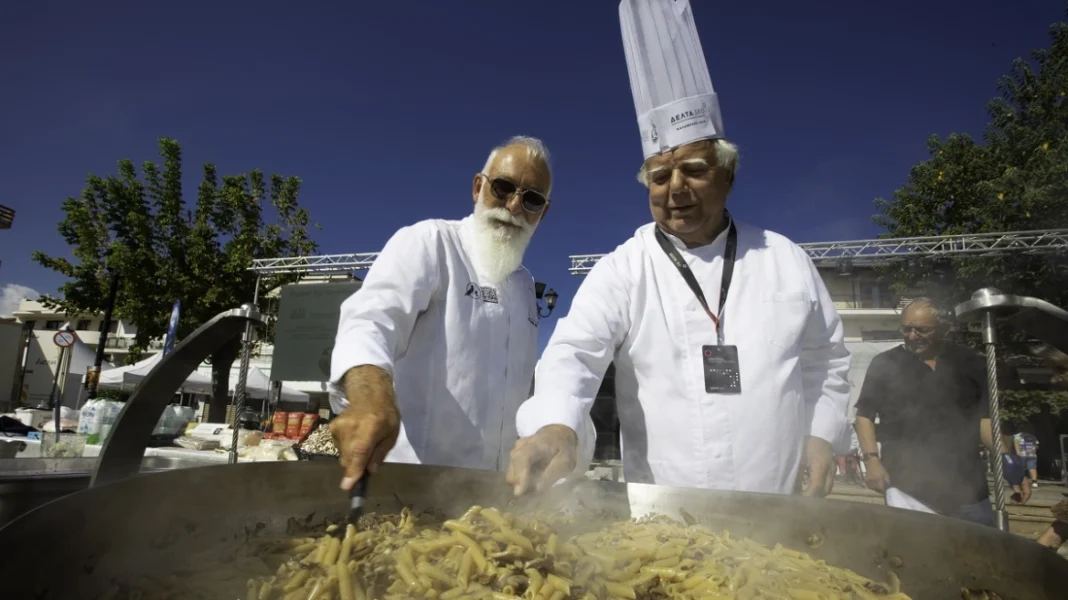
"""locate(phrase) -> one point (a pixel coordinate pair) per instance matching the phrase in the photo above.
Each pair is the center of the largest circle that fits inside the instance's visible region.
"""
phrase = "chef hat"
(673, 93)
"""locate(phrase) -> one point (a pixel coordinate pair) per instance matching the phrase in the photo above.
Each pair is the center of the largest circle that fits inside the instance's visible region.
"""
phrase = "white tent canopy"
(82, 356)
(133, 374)
(258, 386)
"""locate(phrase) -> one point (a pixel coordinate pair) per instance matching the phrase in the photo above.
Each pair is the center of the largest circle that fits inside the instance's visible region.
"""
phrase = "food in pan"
(493, 555)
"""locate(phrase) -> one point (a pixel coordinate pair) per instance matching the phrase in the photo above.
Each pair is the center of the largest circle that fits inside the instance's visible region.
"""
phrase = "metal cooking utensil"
(357, 500)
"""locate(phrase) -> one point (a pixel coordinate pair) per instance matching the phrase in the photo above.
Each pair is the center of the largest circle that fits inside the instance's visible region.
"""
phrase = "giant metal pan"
(148, 523)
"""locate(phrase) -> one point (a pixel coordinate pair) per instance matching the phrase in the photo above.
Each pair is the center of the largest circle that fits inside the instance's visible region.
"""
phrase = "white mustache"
(503, 215)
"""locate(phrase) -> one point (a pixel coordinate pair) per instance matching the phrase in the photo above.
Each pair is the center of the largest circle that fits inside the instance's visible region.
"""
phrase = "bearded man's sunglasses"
(504, 190)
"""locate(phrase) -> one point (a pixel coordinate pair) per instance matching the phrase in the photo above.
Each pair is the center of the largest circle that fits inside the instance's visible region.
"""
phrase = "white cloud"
(10, 296)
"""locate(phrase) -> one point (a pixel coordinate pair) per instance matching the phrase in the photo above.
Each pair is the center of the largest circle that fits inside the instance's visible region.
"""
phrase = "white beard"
(499, 248)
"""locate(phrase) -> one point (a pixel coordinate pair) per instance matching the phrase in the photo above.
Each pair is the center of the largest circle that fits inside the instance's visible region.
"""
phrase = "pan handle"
(124, 449)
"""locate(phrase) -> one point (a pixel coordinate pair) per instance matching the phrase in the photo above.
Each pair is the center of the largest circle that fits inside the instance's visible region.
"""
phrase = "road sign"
(64, 339)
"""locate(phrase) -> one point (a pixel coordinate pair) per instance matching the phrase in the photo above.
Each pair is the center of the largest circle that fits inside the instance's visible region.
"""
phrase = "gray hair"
(726, 158)
(535, 149)
(943, 315)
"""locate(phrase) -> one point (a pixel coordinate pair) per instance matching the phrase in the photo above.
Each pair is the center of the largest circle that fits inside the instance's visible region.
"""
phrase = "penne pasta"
(487, 554)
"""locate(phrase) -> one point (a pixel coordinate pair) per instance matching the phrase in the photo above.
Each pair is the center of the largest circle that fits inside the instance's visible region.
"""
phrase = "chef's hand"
(539, 461)
(875, 475)
(368, 428)
(817, 462)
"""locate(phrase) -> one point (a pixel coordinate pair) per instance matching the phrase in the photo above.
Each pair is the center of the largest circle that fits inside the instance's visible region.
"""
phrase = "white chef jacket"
(461, 350)
(636, 309)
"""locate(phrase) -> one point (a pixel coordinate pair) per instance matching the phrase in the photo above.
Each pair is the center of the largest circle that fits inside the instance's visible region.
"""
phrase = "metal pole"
(990, 338)
(57, 400)
(93, 381)
(242, 375)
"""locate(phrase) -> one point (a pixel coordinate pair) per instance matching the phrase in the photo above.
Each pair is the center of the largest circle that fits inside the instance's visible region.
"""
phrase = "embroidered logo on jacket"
(485, 292)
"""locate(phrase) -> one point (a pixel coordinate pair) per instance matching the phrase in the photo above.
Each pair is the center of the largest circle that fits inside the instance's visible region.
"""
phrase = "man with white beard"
(436, 351)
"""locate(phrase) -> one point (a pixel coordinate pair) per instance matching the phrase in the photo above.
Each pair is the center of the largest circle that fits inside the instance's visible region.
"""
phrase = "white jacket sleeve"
(376, 322)
(574, 362)
(825, 368)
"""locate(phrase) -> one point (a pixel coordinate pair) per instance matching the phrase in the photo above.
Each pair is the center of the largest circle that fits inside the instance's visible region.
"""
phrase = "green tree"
(164, 251)
(1017, 180)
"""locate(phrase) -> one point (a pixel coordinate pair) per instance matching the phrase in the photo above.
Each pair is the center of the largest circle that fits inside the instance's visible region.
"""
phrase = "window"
(876, 295)
(83, 325)
(113, 327)
(29, 325)
(53, 325)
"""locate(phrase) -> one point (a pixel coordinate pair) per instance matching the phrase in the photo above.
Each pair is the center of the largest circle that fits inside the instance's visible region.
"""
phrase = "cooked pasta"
(492, 555)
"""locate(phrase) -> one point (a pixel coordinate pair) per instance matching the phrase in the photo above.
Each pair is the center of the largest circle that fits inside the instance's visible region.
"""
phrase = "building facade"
(35, 316)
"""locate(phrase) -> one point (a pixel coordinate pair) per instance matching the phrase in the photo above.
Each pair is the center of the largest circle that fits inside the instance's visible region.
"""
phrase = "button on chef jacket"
(636, 309)
(460, 349)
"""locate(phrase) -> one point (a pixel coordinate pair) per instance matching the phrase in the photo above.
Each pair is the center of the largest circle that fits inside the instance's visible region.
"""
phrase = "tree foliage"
(141, 228)
(1017, 406)
(1017, 180)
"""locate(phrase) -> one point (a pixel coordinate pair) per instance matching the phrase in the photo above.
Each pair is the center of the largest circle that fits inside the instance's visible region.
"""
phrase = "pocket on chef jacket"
(785, 315)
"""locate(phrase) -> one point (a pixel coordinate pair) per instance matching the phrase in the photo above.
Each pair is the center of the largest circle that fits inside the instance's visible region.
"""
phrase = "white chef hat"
(673, 93)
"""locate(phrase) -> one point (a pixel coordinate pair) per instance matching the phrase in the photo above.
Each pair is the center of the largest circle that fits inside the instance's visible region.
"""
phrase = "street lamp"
(549, 296)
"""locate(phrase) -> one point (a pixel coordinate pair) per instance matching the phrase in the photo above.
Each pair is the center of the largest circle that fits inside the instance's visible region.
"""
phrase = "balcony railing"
(125, 343)
(858, 302)
(118, 343)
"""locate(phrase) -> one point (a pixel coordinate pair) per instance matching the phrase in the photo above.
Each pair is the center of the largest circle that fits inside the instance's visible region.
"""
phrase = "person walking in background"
(1026, 446)
(930, 397)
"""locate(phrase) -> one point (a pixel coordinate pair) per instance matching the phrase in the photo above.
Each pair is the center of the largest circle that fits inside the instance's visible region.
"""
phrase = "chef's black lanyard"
(729, 253)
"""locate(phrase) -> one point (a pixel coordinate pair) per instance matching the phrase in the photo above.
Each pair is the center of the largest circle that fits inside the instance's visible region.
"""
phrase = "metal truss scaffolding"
(292, 265)
(1047, 241)
(327, 263)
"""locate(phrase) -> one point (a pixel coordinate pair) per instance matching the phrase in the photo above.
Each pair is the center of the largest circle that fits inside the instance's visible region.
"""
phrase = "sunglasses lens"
(502, 188)
(533, 201)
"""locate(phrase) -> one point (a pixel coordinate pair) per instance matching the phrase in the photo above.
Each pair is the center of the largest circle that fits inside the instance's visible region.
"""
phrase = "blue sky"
(387, 109)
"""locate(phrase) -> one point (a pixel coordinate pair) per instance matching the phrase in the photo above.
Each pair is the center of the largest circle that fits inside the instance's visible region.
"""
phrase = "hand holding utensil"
(357, 500)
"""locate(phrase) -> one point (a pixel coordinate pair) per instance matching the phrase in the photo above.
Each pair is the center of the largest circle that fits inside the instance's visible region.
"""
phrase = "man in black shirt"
(931, 401)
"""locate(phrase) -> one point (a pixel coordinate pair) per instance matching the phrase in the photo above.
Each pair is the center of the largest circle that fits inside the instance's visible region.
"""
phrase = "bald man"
(436, 351)
(930, 398)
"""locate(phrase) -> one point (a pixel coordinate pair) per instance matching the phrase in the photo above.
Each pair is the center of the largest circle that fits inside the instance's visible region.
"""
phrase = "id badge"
(722, 373)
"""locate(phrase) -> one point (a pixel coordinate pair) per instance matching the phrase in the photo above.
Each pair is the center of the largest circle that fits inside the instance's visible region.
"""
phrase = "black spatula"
(357, 499)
